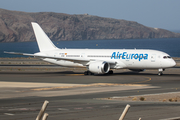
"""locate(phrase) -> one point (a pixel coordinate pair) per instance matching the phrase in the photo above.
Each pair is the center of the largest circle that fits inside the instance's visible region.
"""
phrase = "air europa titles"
(125, 55)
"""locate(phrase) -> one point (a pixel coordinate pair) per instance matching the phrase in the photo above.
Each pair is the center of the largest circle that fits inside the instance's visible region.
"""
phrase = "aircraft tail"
(44, 43)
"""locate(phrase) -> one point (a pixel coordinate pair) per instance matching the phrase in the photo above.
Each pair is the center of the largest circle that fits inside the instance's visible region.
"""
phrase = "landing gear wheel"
(160, 73)
(110, 72)
(88, 73)
(85, 73)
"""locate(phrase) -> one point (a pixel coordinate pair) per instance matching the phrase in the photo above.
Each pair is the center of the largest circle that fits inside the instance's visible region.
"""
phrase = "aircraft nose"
(172, 63)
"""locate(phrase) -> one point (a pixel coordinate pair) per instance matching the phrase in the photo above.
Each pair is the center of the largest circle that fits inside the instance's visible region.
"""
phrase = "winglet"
(44, 43)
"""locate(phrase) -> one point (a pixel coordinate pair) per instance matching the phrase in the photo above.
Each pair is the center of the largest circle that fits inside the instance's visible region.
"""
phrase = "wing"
(75, 60)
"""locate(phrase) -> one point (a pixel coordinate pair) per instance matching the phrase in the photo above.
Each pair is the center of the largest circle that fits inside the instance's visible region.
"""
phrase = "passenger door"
(153, 57)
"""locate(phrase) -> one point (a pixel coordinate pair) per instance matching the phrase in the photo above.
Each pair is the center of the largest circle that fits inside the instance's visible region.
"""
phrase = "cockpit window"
(165, 57)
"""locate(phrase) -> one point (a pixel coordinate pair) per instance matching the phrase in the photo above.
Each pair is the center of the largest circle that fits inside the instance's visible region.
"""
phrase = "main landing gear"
(88, 73)
(110, 72)
(160, 71)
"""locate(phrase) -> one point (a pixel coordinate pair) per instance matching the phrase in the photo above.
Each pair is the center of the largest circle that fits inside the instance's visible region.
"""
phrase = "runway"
(73, 96)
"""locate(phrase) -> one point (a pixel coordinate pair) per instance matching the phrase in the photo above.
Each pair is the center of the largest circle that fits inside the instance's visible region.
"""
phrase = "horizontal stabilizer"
(16, 53)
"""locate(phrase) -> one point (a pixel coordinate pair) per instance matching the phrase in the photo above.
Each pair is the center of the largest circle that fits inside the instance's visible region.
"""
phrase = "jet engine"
(99, 67)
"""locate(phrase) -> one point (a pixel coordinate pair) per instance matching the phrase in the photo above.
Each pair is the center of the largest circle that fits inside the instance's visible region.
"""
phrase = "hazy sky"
(153, 13)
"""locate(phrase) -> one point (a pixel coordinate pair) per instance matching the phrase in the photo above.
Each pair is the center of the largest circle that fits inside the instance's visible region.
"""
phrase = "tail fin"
(44, 43)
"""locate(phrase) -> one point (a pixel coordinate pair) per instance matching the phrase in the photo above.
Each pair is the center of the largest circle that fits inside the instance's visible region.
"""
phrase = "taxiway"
(73, 96)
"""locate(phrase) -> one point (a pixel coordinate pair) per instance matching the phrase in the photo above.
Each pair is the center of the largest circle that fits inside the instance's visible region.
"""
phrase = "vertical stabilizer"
(44, 43)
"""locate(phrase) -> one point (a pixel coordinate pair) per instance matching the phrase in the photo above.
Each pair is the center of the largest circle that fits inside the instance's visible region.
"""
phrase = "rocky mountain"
(16, 27)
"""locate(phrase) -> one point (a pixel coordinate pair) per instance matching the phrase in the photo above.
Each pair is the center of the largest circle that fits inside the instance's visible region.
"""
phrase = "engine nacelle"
(99, 67)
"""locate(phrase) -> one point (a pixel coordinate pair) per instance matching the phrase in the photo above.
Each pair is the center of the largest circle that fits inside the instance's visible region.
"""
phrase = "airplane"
(99, 61)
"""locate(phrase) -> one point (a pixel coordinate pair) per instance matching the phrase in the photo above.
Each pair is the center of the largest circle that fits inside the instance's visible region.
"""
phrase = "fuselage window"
(97, 56)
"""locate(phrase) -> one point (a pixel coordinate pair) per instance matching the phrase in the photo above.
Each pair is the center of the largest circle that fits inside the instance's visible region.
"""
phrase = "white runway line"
(8, 114)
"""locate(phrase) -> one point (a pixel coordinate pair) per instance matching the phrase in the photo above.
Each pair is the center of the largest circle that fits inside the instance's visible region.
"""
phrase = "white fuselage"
(118, 58)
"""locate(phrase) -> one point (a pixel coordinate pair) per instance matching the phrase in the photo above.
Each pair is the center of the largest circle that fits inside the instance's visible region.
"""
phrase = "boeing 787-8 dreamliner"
(99, 61)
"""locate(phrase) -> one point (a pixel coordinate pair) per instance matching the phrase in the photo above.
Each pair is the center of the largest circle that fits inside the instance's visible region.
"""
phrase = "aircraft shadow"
(81, 73)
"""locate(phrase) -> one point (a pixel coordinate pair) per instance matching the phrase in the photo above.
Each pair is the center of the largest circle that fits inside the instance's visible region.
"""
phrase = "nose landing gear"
(160, 71)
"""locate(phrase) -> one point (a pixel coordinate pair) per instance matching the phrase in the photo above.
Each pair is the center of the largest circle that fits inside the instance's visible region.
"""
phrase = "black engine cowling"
(99, 67)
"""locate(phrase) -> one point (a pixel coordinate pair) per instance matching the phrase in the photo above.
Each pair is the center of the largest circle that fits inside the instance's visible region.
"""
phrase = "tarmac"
(73, 96)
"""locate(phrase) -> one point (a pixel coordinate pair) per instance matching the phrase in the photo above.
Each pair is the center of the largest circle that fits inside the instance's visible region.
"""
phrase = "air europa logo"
(126, 55)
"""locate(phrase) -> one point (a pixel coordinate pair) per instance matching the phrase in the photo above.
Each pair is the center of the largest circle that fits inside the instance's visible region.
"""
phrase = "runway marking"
(105, 106)
(87, 85)
(8, 114)
(78, 108)
(160, 97)
(33, 84)
(175, 118)
(62, 109)
(149, 79)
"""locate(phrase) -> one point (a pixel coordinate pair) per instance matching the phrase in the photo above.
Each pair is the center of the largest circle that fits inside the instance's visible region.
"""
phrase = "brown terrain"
(16, 27)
